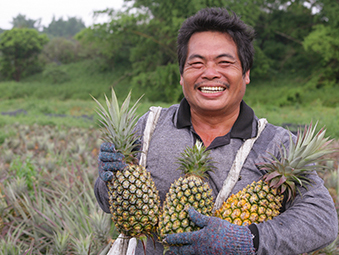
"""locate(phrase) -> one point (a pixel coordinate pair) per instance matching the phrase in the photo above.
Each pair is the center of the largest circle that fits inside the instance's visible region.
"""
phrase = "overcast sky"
(45, 9)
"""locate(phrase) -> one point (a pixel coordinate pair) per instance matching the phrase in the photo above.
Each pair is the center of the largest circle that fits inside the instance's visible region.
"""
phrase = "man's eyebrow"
(225, 55)
(219, 56)
(195, 56)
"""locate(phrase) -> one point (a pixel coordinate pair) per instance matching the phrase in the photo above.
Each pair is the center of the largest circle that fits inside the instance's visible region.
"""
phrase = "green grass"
(281, 99)
(300, 116)
(84, 79)
(295, 100)
(291, 90)
(78, 113)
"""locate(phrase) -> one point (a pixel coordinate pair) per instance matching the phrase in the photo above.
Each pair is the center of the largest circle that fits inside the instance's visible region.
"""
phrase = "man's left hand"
(216, 236)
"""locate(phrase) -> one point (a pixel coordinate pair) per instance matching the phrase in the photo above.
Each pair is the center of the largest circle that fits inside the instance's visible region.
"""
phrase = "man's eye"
(197, 64)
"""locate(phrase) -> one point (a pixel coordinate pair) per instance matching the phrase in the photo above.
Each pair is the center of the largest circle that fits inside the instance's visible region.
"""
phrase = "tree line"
(294, 36)
(56, 28)
(28, 46)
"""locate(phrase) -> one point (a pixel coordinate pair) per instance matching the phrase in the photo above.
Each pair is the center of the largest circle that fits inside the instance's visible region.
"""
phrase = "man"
(215, 55)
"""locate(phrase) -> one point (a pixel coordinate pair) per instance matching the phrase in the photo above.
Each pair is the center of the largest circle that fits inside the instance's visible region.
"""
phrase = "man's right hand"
(109, 161)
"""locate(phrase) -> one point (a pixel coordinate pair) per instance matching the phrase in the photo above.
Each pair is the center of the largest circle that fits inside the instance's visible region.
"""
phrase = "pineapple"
(189, 190)
(262, 200)
(133, 197)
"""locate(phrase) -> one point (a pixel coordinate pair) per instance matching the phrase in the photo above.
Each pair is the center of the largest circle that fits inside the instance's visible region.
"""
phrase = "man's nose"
(211, 72)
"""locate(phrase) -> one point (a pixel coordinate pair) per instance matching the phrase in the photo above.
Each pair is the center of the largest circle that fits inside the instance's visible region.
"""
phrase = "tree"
(61, 50)
(324, 42)
(21, 21)
(280, 32)
(143, 38)
(20, 48)
(64, 28)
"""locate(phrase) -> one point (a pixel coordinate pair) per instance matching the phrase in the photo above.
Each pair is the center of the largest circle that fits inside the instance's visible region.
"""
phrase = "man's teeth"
(211, 89)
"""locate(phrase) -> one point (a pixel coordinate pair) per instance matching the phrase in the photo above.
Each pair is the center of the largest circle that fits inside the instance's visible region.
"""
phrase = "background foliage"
(296, 36)
(20, 48)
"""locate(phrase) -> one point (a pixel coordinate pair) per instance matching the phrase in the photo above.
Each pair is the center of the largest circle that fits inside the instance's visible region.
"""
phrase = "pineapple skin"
(183, 193)
(255, 203)
(134, 201)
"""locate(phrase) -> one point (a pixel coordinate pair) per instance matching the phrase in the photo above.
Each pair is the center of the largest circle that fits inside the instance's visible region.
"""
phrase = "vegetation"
(64, 28)
(46, 99)
(21, 21)
(20, 48)
(140, 40)
(48, 125)
(47, 204)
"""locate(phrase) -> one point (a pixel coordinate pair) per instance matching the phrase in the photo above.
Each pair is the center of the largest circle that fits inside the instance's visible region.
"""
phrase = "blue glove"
(109, 160)
(216, 236)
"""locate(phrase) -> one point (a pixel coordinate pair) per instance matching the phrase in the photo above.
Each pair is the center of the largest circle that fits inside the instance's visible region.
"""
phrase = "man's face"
(212, 78)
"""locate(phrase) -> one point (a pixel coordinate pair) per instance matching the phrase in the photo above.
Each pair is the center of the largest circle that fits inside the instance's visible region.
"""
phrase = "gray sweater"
(307, 224)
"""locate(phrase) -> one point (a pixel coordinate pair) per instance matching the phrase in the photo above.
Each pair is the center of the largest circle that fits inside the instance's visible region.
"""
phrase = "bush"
(61, 51)
(20, 48)
(55, 74)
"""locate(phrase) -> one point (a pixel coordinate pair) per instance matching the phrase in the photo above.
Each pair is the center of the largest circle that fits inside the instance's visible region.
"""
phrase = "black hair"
(218, 20)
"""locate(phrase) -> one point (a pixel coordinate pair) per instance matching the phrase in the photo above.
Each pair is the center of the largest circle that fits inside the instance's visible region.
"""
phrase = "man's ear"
(181, 80)
(247, 77)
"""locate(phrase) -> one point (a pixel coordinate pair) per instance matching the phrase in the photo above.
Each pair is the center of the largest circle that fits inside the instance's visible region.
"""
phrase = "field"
(49, 142)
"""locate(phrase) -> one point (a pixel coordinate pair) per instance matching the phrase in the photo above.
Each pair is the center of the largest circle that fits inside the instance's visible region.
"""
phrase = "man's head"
(217, 20)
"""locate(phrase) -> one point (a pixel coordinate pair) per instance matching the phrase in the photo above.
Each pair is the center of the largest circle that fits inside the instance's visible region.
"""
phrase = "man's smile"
(207, 89)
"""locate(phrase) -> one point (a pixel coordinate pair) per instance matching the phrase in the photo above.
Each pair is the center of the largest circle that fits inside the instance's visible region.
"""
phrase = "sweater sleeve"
(101, 194)
(308, 224)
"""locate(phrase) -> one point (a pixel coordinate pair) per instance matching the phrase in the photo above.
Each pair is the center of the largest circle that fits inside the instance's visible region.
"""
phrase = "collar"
(242, 128)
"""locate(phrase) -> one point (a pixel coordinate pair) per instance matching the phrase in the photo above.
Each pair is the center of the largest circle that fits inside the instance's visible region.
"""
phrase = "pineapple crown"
(117, 125)
(196, 161)
(301, 159)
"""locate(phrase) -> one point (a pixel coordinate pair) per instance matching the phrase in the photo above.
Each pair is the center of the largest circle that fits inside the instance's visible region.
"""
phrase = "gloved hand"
(216, 236)
(109, 160)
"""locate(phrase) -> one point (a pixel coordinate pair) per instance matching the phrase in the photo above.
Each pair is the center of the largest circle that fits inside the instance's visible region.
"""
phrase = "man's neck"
(208, 126)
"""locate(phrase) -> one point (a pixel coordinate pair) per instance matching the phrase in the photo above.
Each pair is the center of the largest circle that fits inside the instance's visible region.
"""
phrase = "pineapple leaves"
(271, 176)
(196, 161)
(297, 163)
(118, 124)
(276, 183)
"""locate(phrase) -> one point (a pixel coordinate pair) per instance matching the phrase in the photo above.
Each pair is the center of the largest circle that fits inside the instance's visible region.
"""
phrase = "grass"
(282, 100)
(292, 101)
(293, 116)
(68, 113)
(35, 100)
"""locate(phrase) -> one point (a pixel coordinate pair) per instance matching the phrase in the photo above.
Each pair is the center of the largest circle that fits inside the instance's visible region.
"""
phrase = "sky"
(45, 9)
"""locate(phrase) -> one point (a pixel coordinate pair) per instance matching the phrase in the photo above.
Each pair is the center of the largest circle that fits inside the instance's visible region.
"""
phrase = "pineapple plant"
(133, 197)
(188, 190)
(262, 200)
(3, 206)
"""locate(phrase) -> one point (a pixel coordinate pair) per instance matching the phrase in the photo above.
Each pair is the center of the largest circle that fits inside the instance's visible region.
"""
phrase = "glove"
(109, 160)
(216, 236)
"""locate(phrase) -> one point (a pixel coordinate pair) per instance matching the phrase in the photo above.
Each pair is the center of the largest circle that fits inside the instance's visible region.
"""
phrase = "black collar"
(242, 127)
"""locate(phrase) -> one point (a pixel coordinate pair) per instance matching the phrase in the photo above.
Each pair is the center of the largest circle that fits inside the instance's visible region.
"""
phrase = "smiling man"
(215, 54)
(213, 83)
